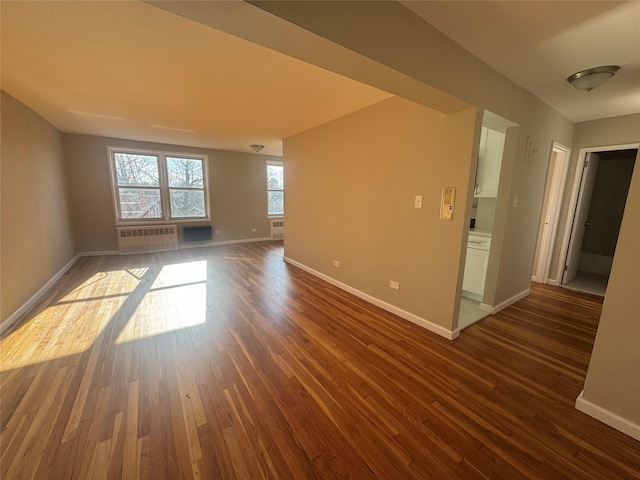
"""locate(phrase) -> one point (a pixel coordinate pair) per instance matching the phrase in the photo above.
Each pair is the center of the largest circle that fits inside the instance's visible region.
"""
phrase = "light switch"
(418, 201)
(515, 201)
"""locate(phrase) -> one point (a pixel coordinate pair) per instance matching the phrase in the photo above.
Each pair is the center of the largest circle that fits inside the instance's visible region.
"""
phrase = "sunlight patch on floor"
(71, 325)
(181, 274)
(105, 284)
(177, 299)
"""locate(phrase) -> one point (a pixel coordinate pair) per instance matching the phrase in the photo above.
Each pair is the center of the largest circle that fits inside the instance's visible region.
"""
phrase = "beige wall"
(612, 381)
(388, 34)
(350, 197)
(56, 199)
(237, 182)
(613, 378)
(37, 240)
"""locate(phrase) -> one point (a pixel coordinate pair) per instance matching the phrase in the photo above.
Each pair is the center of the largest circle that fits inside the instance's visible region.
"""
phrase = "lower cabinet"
(475, 272)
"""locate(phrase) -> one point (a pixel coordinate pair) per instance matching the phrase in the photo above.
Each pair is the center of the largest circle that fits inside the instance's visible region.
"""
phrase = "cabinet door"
(475, 270)
(489, 163)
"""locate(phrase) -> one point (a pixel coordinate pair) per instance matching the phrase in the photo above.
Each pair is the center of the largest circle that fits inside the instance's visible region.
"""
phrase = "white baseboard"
(608, 417)
(183, 246)
(473, 296)
(510, 301)
(99, 254)
(422, 322)
(486, 308)
(226, 242)
(550, 281)
(11, 319)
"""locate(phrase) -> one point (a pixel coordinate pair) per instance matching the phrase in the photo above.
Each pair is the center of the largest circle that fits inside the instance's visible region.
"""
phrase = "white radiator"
(277, 229)
(147, 239)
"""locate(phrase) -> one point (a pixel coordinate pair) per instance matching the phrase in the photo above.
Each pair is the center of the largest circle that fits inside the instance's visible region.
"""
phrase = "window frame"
(275, 164)
(163, 187)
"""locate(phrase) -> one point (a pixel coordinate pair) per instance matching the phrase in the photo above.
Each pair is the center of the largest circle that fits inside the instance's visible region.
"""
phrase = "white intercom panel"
(447, 202)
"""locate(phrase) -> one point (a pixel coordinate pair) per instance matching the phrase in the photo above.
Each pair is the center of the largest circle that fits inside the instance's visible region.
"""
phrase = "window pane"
(136, 170)
(187, 203)
(276, 203)
(275, 177)
(184, 172)
(140, 203)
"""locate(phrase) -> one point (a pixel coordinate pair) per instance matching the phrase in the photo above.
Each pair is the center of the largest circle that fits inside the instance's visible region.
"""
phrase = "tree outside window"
(153, 186)
(275, 189)
(186, 187)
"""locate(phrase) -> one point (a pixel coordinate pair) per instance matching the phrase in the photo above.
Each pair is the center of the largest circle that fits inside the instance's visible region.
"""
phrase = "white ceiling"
(131, 70)
(538, 44)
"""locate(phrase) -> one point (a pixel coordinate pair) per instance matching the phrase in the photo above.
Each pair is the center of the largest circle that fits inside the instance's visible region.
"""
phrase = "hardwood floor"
(224, 363)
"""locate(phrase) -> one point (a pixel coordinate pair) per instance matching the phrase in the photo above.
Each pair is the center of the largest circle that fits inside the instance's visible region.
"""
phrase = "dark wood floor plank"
(224, 362)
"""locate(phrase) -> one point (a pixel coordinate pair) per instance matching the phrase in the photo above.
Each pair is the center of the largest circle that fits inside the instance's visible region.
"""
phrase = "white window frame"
(164, 188)
(276, 164)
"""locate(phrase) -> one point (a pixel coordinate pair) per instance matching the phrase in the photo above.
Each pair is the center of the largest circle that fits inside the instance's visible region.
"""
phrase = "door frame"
(573, 202)
(581, 216)
(558, 179)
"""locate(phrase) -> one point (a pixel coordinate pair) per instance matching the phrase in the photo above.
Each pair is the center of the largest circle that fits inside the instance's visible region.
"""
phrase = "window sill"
(161, 221)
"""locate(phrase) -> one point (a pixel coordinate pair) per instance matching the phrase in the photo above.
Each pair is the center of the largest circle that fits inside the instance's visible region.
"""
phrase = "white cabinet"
(475, 267)
(475, 271)
(489, 163)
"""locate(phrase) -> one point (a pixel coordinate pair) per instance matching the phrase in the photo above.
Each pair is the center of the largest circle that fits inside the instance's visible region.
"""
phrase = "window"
(275, 188)
(186, 187)
(157, 186)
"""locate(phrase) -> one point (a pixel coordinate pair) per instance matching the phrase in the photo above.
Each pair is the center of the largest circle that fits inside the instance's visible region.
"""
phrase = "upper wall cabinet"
(489, 163)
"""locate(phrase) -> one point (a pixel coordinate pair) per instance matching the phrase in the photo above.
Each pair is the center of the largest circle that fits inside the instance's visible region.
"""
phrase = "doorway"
(602, 183)
(496, 135)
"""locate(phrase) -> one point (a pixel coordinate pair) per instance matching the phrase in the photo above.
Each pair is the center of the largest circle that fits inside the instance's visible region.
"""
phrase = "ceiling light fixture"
(257, 148)
(592, 77)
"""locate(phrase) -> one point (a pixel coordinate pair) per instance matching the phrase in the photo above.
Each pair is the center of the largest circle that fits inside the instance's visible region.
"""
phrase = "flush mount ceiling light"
(592, 77)
(257, 148)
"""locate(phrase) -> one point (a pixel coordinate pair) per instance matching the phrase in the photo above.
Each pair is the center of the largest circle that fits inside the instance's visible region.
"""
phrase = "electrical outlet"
(515, 202)
(253, 229)
(336, 263)
(217, 232)
(394, 285)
